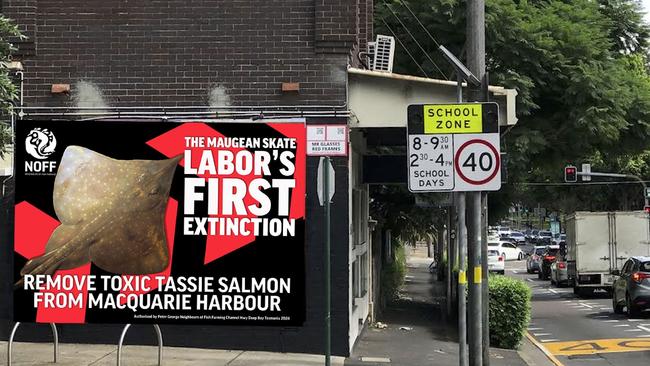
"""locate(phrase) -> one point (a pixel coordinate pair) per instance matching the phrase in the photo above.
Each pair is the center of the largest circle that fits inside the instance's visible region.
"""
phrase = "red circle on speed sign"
(460, 172)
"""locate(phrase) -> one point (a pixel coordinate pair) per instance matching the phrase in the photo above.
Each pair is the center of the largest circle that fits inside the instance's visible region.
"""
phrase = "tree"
(8, 92)
(579, 69)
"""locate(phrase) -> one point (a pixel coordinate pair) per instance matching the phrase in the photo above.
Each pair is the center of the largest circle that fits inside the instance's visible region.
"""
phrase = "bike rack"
(55, 334)
(121, 342)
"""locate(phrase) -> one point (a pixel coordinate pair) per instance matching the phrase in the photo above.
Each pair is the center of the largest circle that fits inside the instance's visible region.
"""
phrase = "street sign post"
(453, 147)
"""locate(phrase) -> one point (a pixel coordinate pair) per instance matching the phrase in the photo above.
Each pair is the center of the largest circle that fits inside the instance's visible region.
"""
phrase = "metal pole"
(476, 64)
(485, 287)
(450, 263)
(485, 290)
(326, 211)
(462, 279)
(475, 332)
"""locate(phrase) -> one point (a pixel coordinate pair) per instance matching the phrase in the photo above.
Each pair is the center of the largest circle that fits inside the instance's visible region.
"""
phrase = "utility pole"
(461, 235)
(462, 278)
(475, 46)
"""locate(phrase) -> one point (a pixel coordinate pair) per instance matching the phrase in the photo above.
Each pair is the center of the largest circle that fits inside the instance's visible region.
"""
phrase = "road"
(583, 331)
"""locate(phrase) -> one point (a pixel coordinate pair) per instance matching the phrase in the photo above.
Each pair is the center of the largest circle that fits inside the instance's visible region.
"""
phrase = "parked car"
(548, 257)
(534, 260)
(496, 262)
(493, 235)
(508, 250)
(559, 274)
(518, 236)
(532, 236)
(503, 230)
(631, 289)
(557, 238)
(544, 238)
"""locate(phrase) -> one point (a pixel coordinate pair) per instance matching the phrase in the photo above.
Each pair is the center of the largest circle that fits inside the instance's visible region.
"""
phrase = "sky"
(646, 5)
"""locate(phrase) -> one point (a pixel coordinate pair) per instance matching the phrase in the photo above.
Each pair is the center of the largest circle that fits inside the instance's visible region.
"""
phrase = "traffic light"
(570, 174)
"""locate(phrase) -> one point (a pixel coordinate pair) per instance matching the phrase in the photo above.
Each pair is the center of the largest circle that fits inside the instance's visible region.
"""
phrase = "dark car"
(548, 257)
(532, 235)
(632, 287)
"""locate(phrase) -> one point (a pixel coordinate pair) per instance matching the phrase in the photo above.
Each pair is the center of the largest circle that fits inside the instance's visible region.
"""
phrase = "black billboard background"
(265, 257)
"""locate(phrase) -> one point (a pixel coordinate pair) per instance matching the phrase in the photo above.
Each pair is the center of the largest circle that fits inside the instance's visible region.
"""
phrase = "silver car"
(632, 287)
(534, 260)
(559, 273)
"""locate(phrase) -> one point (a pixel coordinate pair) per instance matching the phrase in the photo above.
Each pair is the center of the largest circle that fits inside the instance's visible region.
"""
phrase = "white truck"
(600, 242)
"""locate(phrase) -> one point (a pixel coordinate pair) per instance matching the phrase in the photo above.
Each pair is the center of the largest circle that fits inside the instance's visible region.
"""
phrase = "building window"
(359, 216)
(355, 282)
(363, 275)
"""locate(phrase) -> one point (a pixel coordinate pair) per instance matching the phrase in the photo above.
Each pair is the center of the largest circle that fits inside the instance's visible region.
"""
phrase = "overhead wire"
(404, 47)
(419, 22)
(426, 54)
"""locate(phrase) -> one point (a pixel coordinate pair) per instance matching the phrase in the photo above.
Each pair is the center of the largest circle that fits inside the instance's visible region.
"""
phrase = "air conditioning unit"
(370, 56)
(383, 53)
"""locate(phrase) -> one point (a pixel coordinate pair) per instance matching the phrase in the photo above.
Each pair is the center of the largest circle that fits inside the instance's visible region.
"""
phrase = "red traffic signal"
(570, 174)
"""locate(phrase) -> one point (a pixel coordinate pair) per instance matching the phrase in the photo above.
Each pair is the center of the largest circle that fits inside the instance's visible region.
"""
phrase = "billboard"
(160, 222)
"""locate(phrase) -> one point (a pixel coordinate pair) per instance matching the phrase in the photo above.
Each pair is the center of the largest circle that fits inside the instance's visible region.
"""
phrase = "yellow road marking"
(589, 347)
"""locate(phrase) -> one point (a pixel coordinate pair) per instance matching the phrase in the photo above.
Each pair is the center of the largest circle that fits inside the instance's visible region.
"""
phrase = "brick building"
(255, 54)
(165, 53)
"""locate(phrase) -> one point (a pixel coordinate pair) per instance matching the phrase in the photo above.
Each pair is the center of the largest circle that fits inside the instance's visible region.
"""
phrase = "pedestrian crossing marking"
(589, 347)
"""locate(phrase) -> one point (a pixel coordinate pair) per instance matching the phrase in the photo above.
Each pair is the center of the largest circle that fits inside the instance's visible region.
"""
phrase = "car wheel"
(521, 256)
(618, 307)
(633, 311)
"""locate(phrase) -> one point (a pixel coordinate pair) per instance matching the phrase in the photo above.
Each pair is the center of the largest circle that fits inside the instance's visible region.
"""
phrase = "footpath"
(417, 333)
(40, 354)
(413, 332)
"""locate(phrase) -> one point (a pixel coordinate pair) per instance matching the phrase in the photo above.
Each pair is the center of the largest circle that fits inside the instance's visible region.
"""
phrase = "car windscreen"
(539, 251)
(645, 267)
(545, 233)
(493, 252)
(493, 244)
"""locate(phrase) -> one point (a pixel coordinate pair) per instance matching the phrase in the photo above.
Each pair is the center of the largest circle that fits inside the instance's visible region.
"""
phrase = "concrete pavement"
(37, 354)
(418, 334)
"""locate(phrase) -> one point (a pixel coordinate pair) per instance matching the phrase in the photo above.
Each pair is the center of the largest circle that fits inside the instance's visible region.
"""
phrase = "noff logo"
(40, 144)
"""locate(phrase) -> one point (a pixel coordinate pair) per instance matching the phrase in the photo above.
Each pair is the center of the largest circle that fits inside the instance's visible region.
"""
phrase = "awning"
(380, 100)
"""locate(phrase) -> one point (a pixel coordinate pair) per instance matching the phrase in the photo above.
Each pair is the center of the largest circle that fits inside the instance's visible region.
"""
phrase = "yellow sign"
(573, 348)
(453, 118)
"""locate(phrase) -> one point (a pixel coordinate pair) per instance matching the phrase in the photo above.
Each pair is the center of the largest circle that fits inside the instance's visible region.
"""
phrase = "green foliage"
(580, 70)
(394, 207)
(8, 92)
(393, 274)
(509, 311)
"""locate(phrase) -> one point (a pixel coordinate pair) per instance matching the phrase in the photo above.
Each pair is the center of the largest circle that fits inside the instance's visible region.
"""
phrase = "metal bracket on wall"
(121, 342)
(55, 335)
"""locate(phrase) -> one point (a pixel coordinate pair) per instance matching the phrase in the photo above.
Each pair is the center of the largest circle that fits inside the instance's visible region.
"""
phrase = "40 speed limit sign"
(453, 147)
